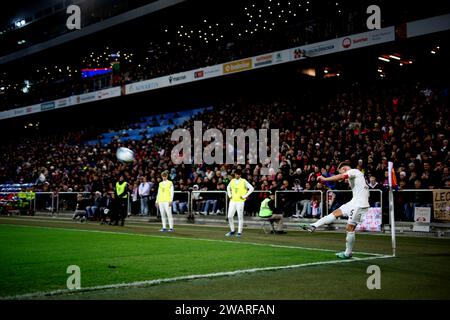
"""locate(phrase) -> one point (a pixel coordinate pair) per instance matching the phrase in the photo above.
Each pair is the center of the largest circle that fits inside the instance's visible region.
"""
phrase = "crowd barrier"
(200, 199)
(336, 198)
(409, 204)
(292, 199)
(181, 202)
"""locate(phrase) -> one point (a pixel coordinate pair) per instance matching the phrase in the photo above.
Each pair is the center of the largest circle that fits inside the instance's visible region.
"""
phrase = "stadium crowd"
(368, 127)
(165, 52)
(53, 81)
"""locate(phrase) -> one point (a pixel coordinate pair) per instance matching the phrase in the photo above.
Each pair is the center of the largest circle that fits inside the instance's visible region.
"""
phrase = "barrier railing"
(67, 201)
(253, 202)
(49, 204)
(406, 200)
(196, 196)
(336, 204)
(178, 205)
(301, 193)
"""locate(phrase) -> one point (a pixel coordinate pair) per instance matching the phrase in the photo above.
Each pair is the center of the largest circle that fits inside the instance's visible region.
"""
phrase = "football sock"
(350, 239)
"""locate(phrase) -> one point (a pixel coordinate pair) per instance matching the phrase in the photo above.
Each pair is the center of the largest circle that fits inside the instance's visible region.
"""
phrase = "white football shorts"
(353, 212)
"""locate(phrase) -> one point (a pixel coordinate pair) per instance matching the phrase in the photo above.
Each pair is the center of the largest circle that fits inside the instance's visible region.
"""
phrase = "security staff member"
(22, 197)
(268, 210)
(31, 196)
(121, 199)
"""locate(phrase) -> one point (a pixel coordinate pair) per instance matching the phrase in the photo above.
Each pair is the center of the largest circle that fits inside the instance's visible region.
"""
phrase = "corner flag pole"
(391, 208)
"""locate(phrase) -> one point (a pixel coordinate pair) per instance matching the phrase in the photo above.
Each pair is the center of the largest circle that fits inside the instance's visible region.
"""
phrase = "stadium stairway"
(146, 128)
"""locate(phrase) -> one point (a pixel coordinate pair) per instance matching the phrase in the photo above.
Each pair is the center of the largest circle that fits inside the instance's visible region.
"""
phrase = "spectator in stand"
(197, 199)
(92, 210)
(374, 198)
(210, 198)
(418, 198)
(105, 206)
(302, 206)
(144, 193)
(80, 210)
(135, 199)
(152, 198)
(420, 148)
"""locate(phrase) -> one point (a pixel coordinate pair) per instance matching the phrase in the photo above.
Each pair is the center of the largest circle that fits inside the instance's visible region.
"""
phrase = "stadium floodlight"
(20, 23)
(26, 88)
(384, 59)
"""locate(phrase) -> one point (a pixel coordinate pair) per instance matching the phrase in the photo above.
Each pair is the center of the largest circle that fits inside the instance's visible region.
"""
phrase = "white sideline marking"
(199, 239)
(190, 277)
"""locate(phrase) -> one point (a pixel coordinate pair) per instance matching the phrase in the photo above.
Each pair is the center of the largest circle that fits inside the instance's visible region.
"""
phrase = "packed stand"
(367, 127)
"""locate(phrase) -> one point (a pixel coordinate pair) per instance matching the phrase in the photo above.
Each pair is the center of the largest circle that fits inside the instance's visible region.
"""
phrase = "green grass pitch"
(35, 254)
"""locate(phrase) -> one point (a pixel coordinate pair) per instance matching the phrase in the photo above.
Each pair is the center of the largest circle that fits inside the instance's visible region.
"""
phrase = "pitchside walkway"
(291, 224)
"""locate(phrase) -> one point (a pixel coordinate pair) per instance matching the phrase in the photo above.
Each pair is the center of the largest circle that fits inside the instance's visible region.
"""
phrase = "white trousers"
(232, 208)
(166, 213)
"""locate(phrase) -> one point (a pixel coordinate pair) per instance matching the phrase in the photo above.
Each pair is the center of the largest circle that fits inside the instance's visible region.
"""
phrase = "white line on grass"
(189, 277)
(199, 239)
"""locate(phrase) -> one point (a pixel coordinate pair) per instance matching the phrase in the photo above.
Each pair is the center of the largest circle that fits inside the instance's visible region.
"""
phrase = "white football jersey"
(360, 189)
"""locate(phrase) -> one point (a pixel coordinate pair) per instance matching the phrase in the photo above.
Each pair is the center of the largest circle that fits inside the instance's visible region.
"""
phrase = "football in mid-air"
(125, 155)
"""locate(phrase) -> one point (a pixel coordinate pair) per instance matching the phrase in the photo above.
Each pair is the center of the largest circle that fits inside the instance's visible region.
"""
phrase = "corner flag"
(392, 177)
(392, 183)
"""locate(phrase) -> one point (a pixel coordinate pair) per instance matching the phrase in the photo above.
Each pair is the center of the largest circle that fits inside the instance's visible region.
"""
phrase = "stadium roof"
(26, 24)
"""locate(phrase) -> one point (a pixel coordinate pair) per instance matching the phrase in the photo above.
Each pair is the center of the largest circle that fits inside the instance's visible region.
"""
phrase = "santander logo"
(346, 43)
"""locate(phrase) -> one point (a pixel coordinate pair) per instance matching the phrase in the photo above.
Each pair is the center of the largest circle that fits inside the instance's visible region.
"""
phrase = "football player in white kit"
(354, 209)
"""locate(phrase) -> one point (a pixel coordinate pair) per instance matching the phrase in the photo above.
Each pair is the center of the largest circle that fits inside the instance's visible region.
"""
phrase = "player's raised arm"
(335, 178)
